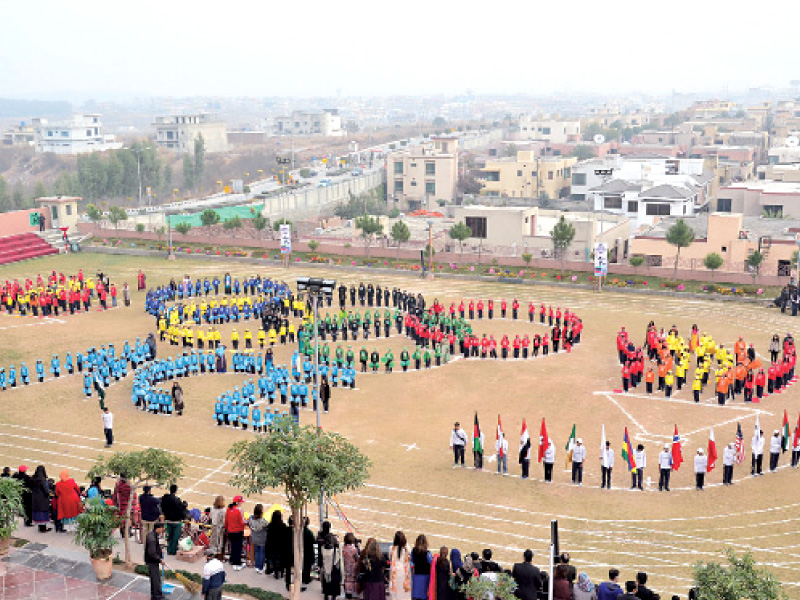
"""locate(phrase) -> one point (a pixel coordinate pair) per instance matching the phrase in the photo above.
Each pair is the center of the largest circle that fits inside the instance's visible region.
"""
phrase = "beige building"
(549, 130)
(326, 122)
(527, 176)
(60, 211)
(733, 236)
(424, 176)
(178, 133)
(761, 198)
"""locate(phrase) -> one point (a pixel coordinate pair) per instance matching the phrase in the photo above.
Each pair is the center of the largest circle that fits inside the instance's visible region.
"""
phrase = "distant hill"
(26, 109)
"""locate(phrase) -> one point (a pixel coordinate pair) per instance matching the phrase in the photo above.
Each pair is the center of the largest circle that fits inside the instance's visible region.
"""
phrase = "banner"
(600, 259)
(286, 238)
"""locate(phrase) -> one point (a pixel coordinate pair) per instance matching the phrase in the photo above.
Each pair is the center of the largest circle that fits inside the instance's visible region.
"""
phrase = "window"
(68, 209)
(49, 133)
(492, 176)
(430, 187)
(546, 130)
(659, 210)
(398, 186)
(413, 184)
(567, 173)
(88, 133)
(613, 202)
(724, 249)
(549, 174)
(430, 168)
(633, 206)
(579, 197)
(492, 151)
(533, 174)
(477, 225)
(398, 167)
(65, 134)
(519, 172)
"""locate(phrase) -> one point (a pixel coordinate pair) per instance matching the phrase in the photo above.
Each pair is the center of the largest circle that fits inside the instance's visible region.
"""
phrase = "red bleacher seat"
(15, 248)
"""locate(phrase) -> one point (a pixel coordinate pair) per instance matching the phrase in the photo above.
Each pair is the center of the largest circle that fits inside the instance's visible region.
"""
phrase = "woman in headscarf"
(40, 499)
(400, 569)
(329, 562)
(462, 575)
(455, 560)
(584, 589)
(68, 500)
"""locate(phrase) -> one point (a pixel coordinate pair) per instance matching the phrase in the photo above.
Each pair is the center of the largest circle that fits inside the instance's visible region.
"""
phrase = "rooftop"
(754, 227)
(768, 187)
(617, 186)
(671, 192)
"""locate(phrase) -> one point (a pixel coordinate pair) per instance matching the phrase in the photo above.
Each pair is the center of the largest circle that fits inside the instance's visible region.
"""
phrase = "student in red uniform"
(514, 309)
(479, 306)
(526, 342)
(484, 346)
(531, 311)
(550, 315)
(503, 306)
(461, 309)
(760, 381)
(537, 343)
(556, 335)
(749, 382)
(471, 310)
(541, 313)
(492, 347)
(504, 344)
(545, 345)
(626, 377)
(517, 345)
(490, 308)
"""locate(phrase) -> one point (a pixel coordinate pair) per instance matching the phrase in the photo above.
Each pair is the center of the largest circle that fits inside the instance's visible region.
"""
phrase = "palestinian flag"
(524, 443)
(570, 445)
(712, 451)
(627, 452)
(542, 441)
(477, 445)
(785, 432)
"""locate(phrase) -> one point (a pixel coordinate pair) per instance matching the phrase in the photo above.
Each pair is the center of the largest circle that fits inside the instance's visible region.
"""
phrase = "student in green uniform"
(375, 360)
(404, 359)
(388, 360)
(417, 356)
(363, 357)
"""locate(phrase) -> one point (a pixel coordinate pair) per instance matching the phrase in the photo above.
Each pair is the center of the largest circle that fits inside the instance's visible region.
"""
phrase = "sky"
(52, 49)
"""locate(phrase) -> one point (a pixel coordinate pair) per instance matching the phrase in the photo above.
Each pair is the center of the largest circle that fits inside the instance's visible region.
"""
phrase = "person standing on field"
(458, 442)
(108, 426)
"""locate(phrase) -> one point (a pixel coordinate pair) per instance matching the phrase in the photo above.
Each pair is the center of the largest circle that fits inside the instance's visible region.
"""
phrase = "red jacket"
(234, 521)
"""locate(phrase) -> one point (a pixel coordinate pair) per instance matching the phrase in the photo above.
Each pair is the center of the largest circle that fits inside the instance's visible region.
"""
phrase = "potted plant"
(94, 531)
(10, 510)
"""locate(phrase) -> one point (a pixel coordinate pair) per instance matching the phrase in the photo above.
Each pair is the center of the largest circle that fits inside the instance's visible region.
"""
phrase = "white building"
(79, 135)
(554, 131)
(327, 123)
(784, 155)
(178, 132)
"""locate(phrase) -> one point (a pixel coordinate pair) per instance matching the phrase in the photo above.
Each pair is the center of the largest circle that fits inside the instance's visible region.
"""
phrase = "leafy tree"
(562, 235)
(94, 213)
(151, 466)
(183, 227)
(305, 462)
(117, 214)
(370, 203)
(277, 224)
(260, 222)
(232, 224)
(139, 227)
(467, 184)
(370, 227)
(160, 231)
(636, 262)
(209, 217)
(199, 159)
(189, 180)
(754, 262)
(712, 262)
(5, 199)
(10, 505)
(502, 587)
(40, 191)
(583, 152)
(400, 233)
(18, 199)
(95, 529)
(439, 122)
(679, 235)
(313, 245)
(511, 150)
(305, 173)
(741, 579)
(460, 232)
(527, 257)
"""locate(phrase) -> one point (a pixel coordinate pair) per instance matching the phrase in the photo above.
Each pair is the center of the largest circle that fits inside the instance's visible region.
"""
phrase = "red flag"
(796, 432)
(542, 441)
(677, 454)
(712, 451)
(500, 437)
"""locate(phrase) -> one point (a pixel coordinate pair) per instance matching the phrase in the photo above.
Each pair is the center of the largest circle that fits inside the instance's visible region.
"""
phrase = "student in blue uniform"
(2, 379)
(68, 363)
(244, 409)
(24, 375)
(255, 415)
(55, 366)
(12, 377)
(87, 384)
(39, 370)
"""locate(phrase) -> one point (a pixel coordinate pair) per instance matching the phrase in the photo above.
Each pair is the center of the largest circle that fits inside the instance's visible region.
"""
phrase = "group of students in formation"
(666, 360)
(59, 294)
(634, 460)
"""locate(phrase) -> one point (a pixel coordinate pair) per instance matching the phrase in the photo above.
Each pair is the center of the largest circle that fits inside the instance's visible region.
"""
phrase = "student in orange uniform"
(649, 379)
(722, 389)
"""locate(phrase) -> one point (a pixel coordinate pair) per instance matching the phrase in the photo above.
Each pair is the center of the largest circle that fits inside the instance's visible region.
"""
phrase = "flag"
(603, 458)
(785, 432)
(796, 432)
(570, 445)
(740, 453)
(627, 452)
(712, 451)
(524, 443)
(500, 437)
(677, 454)
(477, 445)
(542, 440)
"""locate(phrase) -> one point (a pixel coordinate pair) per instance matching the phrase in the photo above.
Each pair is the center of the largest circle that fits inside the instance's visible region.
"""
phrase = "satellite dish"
(792, 141)
(599, 138)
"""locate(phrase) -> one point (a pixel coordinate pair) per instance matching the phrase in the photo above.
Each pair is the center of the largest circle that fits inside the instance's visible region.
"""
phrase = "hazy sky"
(93, 49)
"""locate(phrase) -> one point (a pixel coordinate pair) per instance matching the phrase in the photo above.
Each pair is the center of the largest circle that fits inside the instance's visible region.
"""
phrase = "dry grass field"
(402, 421)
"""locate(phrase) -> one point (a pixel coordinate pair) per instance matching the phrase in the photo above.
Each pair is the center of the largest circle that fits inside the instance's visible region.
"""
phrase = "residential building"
(549, 130)
(733, 236)
(78, 135)
(784, 155)
(326, 123)
(527, 176)
(60, 211)
(702, 110)
(423, 176)
(179, 132)
(756, 198)
(21, 135)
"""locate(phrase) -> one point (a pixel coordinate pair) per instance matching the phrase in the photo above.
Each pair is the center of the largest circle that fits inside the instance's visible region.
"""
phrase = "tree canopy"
(400, 232)
(740, 579)
(680, 235)
(460, 232)
(562, 235)
(209, 217)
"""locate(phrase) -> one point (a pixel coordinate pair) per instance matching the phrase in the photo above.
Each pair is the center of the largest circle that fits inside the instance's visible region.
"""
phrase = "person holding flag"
(543, 439)
(525, 450)
(774, 450)
(712, 451)
(757, 446)
(501, 448)
(677, 452)
(549, 461)
(569, 447)
(700, 468)
(785, 437)
(606, 460)
(477, 445)
(728, 460)
(796, 445)
(629, 458)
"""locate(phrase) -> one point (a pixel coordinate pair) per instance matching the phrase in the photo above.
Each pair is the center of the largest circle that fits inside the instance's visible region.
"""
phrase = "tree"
(183, 227)
(467, 184)
(439, 122)
(40, 191)
(460, 232)
(741, 579)
(679, 235)
(754, 262)
(209, 217)
(117, 214)
(199, 159)
(583, 152)
(160, 233)
(11, 506)
(260, 222)
(400, 234)
(232, 224)
(527, 257)
(636, 262)
(151, 466)
(189, 180)
(562, 235)
(313, 245)
(276, 226)
(18, 200)
(94, 213)
(502, 587)
(370, 227)
(712, 262)
(5, 200)
(305, 462)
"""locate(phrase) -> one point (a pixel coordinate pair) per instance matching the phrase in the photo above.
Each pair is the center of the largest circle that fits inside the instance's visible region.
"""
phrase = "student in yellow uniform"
(290, 332)
(261, 337)
(235, 339)
(189, 337)
(680, 374)
(697, 387)
(201, 338)
(248, 339)
(669, 379)
(273, 337)
(162, 327)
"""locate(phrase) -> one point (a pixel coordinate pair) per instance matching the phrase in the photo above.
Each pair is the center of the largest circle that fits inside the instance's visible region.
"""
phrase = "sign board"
(238, 186)
(34, 219)
(604, 171)
(286, 239)
(600, 259)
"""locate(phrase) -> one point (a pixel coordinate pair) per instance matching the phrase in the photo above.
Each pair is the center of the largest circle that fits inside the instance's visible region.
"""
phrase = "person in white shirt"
(458, 442)
(607, 465)
(108, 426)
(640, 456)
(578, 456)
(728, 460)
(796, 451)
(501, 448)
(549, 460)
(700, 467)
(774, 450)
(757, 446)
(664, 468)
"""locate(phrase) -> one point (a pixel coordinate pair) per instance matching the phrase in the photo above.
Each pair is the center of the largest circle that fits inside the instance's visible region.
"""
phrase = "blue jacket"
(608, 591)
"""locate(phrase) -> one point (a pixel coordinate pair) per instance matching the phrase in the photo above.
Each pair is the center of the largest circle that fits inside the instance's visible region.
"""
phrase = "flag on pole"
(785, 432)
(542, 441)
(524, 443)
(740, 452)
(500, 437)
(477, 444)
(757, 432)
(603, 455)
(677, 454)
(712, 451)
(570, 446)
(796, 432)
(627, 452)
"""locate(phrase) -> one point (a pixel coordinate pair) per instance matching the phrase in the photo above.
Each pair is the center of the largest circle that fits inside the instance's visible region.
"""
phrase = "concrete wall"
(18, 221)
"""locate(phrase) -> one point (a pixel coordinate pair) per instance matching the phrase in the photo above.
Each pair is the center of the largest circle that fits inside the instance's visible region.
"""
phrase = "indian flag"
(570, 445)
(477, 446)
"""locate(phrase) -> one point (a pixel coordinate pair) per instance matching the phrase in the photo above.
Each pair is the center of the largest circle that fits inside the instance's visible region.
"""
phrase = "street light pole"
(430, 247)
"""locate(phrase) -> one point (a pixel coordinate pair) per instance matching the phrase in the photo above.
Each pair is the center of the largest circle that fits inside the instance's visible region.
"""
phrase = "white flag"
(603, 454)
